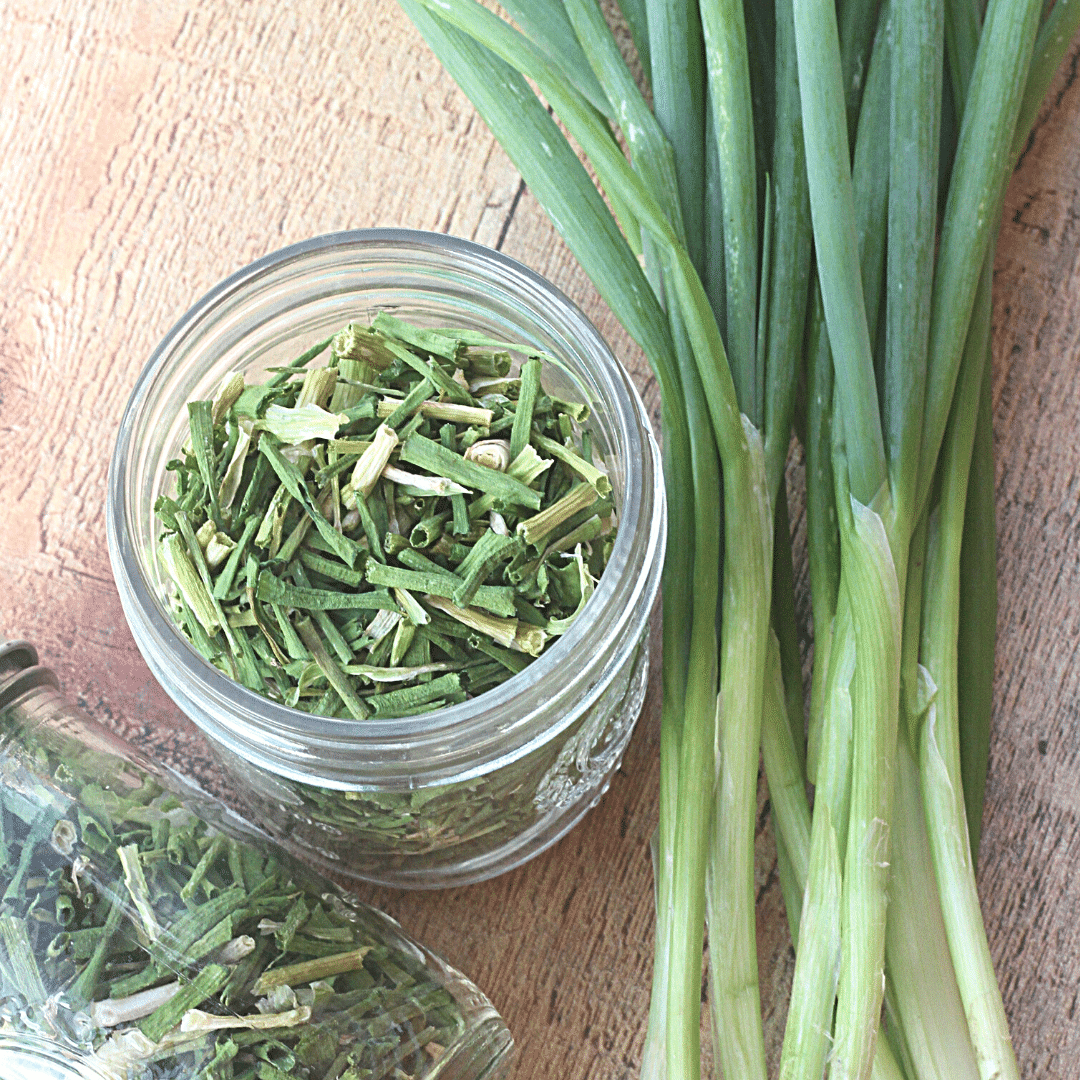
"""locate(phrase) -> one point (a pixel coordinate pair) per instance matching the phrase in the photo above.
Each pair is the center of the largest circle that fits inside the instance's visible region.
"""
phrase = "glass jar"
(471, 790)
(149, 933)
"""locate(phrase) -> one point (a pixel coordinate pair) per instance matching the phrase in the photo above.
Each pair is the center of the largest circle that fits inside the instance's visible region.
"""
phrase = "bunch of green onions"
(803, 236)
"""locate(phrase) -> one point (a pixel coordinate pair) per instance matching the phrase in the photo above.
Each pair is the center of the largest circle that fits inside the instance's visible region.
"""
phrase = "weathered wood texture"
(147, 149)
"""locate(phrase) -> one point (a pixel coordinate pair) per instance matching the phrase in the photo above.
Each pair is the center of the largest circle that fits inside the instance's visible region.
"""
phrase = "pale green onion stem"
(939, 755)
(926, 1016)
(787, 792)
(744, 643)
(922, 996)
(822, 535)
(870, 191)
(786, 627)
(809, 1011)
(694, 801)
(871, 576)
(806, 1036)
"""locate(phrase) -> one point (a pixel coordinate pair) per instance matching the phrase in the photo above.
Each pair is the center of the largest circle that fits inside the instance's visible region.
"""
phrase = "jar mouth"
(509, 717)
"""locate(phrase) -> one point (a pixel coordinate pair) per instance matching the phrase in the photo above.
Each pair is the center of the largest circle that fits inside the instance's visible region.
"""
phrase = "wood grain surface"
(148, 149)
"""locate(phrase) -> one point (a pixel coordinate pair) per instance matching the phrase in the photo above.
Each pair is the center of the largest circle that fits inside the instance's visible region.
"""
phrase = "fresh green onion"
(735, 127)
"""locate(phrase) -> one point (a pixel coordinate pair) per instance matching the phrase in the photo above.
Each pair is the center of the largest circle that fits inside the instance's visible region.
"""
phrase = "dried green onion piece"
(23, 966)
(202, 443)
(439, 410)
(434, 372)
(439, 343)
(334, 675)
(330, 569)
(432, 456)
(541, 525)
(207, 982)
(179, 567)
(530, 387)
(586, 470)
(490, 551)
(494, 598)
(292, 479)
(387, 704)
(411, 403)
(273, 590)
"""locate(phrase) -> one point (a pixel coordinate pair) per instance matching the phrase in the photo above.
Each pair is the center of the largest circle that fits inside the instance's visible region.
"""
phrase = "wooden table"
(150, 148)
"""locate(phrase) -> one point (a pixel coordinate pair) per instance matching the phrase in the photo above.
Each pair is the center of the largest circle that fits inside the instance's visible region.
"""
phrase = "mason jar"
(147, 932)
(470, 790)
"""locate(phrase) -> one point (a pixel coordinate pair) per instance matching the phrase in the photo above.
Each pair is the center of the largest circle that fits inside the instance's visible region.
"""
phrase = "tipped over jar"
(147, 932)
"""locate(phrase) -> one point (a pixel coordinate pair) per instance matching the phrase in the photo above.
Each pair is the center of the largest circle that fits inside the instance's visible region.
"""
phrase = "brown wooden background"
(150, 147)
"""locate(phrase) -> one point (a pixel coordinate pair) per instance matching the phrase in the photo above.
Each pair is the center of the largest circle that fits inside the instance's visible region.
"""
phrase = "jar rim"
(292, 742)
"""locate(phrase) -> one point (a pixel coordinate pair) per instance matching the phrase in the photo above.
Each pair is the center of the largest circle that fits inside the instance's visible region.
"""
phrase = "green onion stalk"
(869, 182)
(699, 467)
(926, 1019)
(742, 166)
(869, 597)
(904, 449)
(923, 1002)
(656, 163)
(947, 735)
(908, 319)
(938, 735)
(939, 731)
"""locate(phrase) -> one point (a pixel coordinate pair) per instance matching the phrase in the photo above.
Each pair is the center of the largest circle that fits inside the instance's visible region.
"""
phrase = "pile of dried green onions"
(814, 196)
(387, 525)
(151, 945)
